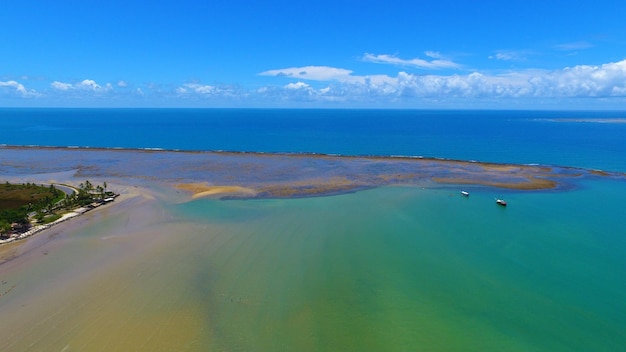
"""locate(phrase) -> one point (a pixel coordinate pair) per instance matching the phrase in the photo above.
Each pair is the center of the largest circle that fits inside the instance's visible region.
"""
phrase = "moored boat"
(465, 193)
(501, 202)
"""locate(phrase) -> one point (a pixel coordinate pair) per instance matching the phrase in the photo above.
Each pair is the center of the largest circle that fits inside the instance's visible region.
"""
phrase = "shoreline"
(33, 230)
(74, 213)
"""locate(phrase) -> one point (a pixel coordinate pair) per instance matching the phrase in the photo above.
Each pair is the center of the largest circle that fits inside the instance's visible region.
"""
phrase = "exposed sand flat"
(520, 177)
(264, 175)
(200, 190)
(501, 168)
(310, 187)
(530, 183)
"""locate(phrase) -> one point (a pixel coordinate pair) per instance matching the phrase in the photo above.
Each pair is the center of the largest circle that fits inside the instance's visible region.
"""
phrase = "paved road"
(66, 189)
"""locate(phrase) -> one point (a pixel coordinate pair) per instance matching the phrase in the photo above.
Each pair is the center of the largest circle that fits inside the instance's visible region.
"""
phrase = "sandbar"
(265, 175)
(201, 190)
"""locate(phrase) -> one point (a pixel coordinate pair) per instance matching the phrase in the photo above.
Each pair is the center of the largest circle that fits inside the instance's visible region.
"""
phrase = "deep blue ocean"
(594, 140)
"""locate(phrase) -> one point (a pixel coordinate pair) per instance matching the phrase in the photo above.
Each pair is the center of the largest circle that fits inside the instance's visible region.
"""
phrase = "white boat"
(501, 202)
(465, 193)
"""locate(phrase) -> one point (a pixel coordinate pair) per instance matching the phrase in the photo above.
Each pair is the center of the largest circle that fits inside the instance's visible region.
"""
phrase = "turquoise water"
(392, 268)
(406, 268)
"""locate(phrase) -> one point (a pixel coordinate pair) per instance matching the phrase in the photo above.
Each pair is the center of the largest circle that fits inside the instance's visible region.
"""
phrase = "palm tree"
(100, 190)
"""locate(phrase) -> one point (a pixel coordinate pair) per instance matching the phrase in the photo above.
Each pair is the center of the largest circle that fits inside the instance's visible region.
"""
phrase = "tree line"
(47, 207)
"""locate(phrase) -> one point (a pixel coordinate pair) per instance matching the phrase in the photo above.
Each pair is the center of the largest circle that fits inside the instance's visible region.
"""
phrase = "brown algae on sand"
(262, 175)
(520, 177)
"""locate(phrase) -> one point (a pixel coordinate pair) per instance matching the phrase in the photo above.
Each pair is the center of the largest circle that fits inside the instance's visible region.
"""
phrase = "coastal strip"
(73, 196)
(38, 228)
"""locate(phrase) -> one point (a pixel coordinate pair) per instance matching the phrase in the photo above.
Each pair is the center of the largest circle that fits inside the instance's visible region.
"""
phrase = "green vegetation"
(87, 194)
(50, 218)
(19, 202)
(13, 196)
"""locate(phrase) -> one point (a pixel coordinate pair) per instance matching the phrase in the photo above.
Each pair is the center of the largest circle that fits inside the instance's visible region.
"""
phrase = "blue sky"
(334, 54)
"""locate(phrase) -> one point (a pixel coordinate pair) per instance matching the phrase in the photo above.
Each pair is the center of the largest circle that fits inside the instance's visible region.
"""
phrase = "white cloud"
(503, 56)
(438, 63)
(61, 86)
(330, 84)
(509, 55)
(89, 84)
(201, 89)
(608, 80)
(580, 45)
(297, 85)
(314, 73)
(208, 91)
(19, 89)
(122, 84)
(433, 54)
(328, 74)
(85, 85)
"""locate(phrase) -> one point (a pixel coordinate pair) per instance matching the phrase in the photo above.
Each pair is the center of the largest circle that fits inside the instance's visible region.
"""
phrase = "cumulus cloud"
(202, 89)
(438, 62)
(325, 74)
(608, 80)
(322, 84)
(314, 73)
(208, 91)
(297, 85)
(85, 85)
(304, 93)
(89, 84)
(61, 86)
(122, 84)
(19, 89)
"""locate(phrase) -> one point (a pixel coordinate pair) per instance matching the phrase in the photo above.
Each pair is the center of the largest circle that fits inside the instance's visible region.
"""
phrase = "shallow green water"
(388, 269)
(403, 268)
